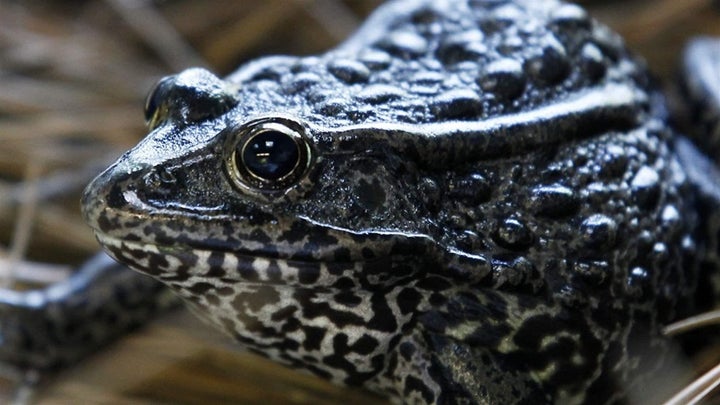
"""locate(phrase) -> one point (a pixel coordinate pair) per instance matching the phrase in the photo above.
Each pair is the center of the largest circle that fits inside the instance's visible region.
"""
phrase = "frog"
(467, 201)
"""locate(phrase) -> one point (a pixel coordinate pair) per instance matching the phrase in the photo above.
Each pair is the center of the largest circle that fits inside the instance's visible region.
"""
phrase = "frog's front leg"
(43, 329)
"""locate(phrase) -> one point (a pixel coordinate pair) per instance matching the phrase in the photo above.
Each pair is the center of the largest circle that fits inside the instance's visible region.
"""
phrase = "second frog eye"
(154, 113)
(269, 155)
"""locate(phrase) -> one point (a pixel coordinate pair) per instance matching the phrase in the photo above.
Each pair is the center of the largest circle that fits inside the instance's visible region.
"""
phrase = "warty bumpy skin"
(469, 201)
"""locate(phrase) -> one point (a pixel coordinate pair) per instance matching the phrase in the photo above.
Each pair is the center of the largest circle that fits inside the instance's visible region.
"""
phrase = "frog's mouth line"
(179, 263)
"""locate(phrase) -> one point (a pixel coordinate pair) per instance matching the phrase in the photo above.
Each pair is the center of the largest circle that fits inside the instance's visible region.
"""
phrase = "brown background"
(73, 76)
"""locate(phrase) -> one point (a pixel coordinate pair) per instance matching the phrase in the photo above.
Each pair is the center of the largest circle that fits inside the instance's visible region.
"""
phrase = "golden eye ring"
(269, 154)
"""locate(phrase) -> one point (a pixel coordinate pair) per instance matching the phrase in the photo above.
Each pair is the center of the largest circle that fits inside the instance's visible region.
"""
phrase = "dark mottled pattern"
(488, 207)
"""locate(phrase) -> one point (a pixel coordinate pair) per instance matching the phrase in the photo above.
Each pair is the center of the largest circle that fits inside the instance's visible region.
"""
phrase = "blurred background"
(73, 78)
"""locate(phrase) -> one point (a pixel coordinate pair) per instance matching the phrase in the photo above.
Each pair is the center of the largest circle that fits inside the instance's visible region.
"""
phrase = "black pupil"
(270, 155)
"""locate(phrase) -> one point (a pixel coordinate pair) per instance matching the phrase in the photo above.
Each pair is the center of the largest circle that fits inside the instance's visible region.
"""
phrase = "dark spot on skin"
(312, 310)
(215, 262)
(383, 318)
(273, 272)
(342, 254)
(368, 253)
(246, 271)
(371, 196)
(347, 298)
(289, 345)
(344, 283)
(338, 268)
(201, 288)
(212, 299)
(290, 324)
(408, 300)
(225, 291)
(216, 272)
(407, 350)
(533, 330)
(308, 275)
(255, 301)
(284, 314)
(433, 284)
(105, 224)
(260, 236)
(413, 384)
(437, 299)
(365, 345)
(317, 241)
(313, 337)
(297, 232)
(338, 360)
(159, 262)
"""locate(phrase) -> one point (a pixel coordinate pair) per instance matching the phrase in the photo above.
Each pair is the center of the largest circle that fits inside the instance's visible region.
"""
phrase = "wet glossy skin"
(467, 202)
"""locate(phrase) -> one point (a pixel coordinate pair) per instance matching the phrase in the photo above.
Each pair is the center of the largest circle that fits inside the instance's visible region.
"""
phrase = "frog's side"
(478, 202)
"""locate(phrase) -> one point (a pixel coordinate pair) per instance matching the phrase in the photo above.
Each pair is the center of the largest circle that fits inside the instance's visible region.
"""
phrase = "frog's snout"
(104, 195)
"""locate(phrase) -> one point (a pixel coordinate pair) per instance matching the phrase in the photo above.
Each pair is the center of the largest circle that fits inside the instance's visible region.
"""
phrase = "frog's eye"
(269, 155)
(154, 106)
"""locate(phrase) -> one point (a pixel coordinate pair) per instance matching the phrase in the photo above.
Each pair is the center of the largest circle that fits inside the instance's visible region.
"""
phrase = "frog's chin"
(177, 264)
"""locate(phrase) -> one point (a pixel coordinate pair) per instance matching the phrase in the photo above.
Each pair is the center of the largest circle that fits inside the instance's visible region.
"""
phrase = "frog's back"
(420, 61)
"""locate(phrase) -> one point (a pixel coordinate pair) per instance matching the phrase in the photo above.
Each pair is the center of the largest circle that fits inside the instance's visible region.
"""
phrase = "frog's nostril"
(115, 197)
(108, 191)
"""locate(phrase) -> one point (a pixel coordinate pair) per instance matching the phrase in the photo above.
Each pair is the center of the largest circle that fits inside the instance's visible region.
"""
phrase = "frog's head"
(212, 181)
(278, 217)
